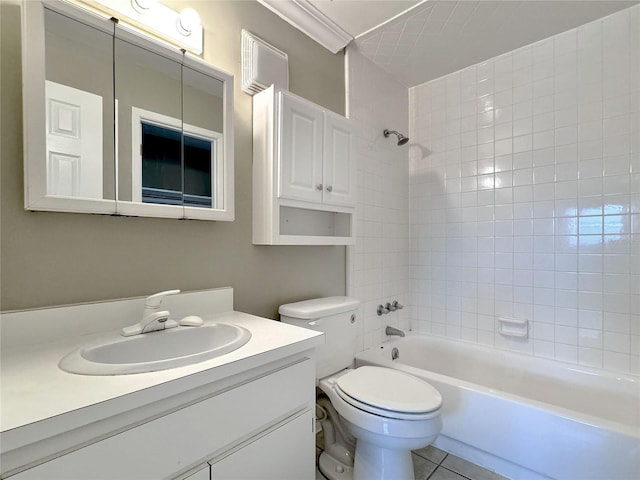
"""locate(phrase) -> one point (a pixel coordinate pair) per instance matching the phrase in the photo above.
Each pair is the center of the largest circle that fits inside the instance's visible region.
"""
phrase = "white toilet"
(389, 412)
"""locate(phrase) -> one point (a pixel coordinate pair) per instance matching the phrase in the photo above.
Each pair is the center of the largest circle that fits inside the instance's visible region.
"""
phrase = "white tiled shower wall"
(379, 263)
(525, 197)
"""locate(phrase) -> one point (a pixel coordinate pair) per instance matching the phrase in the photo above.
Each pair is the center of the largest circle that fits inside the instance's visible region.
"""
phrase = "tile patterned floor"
(431, 463)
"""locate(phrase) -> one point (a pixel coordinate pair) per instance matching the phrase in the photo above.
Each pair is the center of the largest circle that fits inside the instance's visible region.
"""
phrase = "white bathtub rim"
(614, 375)
(373, 355)
(620, 378)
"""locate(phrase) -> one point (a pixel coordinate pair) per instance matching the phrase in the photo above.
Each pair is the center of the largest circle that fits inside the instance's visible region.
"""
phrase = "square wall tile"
(534, 197)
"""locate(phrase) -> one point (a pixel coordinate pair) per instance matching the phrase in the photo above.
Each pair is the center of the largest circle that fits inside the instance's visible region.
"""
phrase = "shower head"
(401, 138)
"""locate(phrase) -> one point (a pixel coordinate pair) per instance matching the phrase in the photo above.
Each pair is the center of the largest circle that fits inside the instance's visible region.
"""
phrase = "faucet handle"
(391, 306)
(396, 305)
(155, 300)
(382, 310)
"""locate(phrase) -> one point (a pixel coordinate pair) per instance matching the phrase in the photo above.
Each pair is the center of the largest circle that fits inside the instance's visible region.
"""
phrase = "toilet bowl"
(389, 412)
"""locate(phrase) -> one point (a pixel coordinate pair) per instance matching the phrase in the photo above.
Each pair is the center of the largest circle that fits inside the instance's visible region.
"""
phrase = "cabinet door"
(300, 150)
(287, 453)
(339, 161)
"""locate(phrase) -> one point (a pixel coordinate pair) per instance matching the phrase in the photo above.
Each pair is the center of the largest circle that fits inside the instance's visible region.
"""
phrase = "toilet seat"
(388, 393)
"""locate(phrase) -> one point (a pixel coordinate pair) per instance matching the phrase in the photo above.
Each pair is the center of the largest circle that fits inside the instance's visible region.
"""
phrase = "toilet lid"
(390, 389)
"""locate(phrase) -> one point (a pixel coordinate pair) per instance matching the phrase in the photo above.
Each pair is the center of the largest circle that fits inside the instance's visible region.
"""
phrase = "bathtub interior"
(587, 391)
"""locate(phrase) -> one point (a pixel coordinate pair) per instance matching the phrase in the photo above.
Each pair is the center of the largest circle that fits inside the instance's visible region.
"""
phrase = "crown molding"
(310, 21)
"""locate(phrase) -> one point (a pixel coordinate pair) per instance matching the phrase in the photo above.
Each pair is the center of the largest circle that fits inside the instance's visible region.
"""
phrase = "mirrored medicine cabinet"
(119, 123)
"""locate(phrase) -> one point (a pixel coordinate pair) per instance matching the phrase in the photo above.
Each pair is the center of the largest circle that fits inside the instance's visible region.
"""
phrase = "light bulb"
(188, 21)
(143, 6)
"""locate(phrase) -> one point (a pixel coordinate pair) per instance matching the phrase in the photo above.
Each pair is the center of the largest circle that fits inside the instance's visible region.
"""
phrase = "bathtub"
(525, 417)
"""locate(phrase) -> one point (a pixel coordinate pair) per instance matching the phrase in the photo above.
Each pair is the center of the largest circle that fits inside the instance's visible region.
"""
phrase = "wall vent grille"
(263, 65)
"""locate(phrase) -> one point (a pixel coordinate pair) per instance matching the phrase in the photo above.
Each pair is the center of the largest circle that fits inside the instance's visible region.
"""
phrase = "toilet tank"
(336, 318)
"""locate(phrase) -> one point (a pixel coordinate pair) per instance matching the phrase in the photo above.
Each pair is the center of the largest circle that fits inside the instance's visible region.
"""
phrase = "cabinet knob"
(319, 186)
(329, 188)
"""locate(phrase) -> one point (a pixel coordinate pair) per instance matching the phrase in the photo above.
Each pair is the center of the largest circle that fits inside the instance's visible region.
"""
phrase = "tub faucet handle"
(391, 307)
(382, 310)
(396, 305)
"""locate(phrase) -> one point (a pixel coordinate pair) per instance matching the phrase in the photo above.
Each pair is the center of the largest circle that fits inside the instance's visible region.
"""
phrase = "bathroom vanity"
(245, 414)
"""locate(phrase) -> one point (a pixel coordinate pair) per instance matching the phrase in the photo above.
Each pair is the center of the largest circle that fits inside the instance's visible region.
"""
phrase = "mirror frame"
(33, 85)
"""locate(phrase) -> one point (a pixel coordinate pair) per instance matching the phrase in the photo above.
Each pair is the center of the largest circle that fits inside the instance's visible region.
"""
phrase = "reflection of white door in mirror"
(74, 142)
(157, 173)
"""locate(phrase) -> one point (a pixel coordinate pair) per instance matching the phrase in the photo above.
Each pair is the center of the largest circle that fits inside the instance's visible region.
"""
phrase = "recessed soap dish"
(513, 327)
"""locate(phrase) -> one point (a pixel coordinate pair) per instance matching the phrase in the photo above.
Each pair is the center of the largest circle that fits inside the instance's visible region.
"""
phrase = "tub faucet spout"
(394, 331)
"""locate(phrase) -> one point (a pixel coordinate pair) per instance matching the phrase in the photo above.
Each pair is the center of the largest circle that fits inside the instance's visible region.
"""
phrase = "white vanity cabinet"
(259, 426)
(303, 172)
(278, 455)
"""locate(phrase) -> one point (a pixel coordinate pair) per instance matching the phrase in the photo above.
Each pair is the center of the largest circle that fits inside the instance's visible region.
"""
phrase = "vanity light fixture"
(183, 29)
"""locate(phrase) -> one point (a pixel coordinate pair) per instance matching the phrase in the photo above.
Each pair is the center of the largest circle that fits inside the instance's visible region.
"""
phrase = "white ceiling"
(417, 41)
(360, 16)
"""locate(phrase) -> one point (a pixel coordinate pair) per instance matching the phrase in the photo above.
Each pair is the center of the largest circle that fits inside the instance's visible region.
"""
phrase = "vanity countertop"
(39, 400)
(34, 388)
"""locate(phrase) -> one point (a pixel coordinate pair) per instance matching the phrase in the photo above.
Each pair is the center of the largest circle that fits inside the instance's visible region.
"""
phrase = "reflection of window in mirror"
(158, 175)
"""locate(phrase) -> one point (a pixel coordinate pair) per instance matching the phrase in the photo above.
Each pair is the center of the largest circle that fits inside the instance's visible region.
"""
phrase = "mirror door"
(204, 140)
(66, 111)
(149, 130)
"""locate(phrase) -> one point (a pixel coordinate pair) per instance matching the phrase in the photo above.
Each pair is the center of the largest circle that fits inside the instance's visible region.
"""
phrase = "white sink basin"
(161, 350)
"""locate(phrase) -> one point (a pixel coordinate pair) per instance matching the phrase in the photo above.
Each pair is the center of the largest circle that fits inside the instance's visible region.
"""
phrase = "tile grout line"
(438, 465)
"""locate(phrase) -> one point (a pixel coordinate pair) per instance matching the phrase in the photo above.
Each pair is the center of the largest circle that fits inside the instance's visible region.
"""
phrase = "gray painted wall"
(55, 258)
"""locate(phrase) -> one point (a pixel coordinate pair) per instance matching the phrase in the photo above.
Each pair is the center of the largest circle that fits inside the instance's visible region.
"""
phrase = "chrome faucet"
(393, 331)
(152, 319)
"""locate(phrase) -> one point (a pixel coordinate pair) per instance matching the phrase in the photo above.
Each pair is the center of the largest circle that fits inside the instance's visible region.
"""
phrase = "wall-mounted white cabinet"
(97, 139)
(303, 172)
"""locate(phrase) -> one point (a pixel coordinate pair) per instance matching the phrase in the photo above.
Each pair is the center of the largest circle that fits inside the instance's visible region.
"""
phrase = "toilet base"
(371, 463)
(375, 463)
(334, 469)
